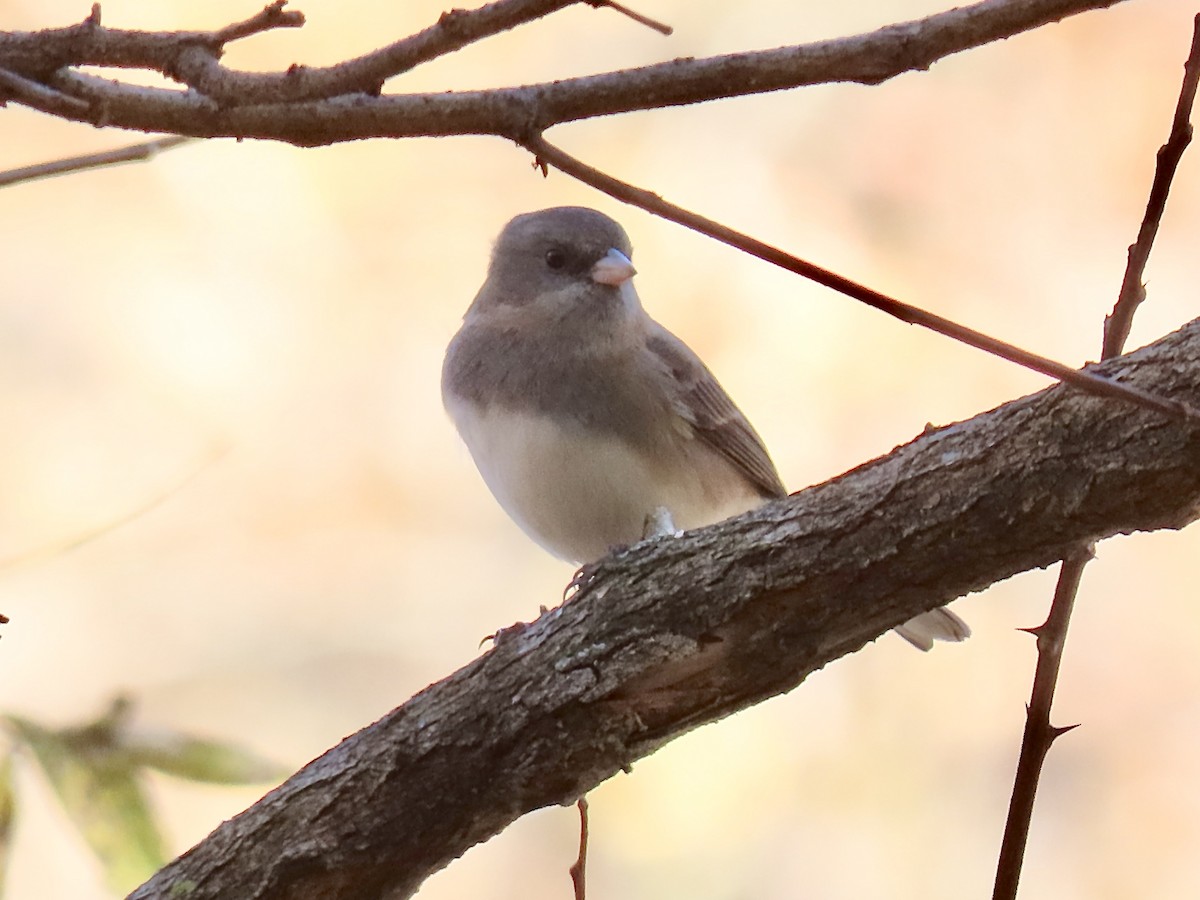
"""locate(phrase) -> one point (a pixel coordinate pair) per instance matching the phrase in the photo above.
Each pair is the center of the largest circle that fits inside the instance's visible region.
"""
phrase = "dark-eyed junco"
(585, 416)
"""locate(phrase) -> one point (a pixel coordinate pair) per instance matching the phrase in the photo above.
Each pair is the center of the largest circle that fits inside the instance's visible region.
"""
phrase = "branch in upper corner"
(191, 56)
(1133, 292)
(1085, 380)
(145, 150)
(266, 106)
(454, 29)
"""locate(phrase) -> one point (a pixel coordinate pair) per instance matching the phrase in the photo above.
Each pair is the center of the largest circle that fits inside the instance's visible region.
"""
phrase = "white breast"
(579, 494)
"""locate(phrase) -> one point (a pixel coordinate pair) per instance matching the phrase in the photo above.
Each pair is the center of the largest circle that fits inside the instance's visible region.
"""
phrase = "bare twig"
(656, 25)
(1039, 734)
(131, 153)
(453, 30)
(578, 869)
(73, 543)
(269, 17)
(1083, 379)
(1116, 326)
(291, 106)
(192, 56)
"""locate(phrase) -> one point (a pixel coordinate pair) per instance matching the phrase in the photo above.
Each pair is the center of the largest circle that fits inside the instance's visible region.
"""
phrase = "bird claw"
(515, 630)
(657, 523)
(583, 576)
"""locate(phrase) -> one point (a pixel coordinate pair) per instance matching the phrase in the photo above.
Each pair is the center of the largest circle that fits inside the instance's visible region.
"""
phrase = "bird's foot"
(515, 630)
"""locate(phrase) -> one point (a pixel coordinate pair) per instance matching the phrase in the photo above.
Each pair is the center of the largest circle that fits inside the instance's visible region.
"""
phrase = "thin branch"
(1085, 380)
(270, 17)
(454, 30)
(665, 30)
(744, 610)
(578, 868)
(192, 56)
(1039, 734)
(267, 106)
(1133, 291)
(47, 99)
(59, 548)
(145, 150)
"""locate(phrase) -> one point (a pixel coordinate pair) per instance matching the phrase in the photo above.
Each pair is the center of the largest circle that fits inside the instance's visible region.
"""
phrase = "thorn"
(1057, 732)
(1036, 630)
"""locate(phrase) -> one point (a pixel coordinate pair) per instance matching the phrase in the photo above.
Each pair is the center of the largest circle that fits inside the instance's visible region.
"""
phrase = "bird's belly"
(579, 493)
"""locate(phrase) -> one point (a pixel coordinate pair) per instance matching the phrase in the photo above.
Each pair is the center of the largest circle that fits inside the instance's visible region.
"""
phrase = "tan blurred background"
(271, 320)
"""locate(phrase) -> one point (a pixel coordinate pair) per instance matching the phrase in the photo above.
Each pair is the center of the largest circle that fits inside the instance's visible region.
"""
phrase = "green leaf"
(96, 772)
(201, 760)
(8, 808)
(96, 781)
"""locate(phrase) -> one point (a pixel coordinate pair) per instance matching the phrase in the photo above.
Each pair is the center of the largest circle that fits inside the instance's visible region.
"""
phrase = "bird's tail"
(935, 625)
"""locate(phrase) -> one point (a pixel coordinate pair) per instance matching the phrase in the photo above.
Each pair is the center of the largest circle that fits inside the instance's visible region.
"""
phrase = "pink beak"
(613, 268)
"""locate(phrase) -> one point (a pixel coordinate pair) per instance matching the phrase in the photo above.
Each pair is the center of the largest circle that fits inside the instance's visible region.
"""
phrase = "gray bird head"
(569, 261)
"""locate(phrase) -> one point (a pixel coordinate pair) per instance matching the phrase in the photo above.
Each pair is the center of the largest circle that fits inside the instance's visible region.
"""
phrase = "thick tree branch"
(223, 103)
(638, 658)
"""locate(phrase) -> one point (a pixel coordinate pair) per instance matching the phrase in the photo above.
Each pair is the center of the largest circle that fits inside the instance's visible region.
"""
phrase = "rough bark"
(684, 630)
(312, 106)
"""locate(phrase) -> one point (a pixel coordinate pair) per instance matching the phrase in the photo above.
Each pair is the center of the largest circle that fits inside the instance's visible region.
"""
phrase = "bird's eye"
(555, 258)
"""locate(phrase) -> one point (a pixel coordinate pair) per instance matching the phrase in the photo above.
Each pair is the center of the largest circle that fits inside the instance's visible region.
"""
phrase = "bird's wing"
(714, 417)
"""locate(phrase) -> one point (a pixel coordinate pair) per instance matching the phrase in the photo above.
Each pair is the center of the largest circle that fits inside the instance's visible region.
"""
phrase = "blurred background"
(242, 344)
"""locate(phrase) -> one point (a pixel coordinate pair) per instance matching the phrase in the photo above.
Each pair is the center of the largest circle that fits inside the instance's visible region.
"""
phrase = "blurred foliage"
(7, 807)
(97, 771)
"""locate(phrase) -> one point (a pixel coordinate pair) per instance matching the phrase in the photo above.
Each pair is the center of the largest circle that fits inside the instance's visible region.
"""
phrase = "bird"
(585, 417)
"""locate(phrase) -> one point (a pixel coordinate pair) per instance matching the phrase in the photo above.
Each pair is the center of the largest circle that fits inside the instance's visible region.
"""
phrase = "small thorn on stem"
(1057, 732)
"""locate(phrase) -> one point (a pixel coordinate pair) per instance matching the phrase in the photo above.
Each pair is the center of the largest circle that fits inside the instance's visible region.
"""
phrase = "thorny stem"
(1133, 292)
(1039, 733)
(1052, 635)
